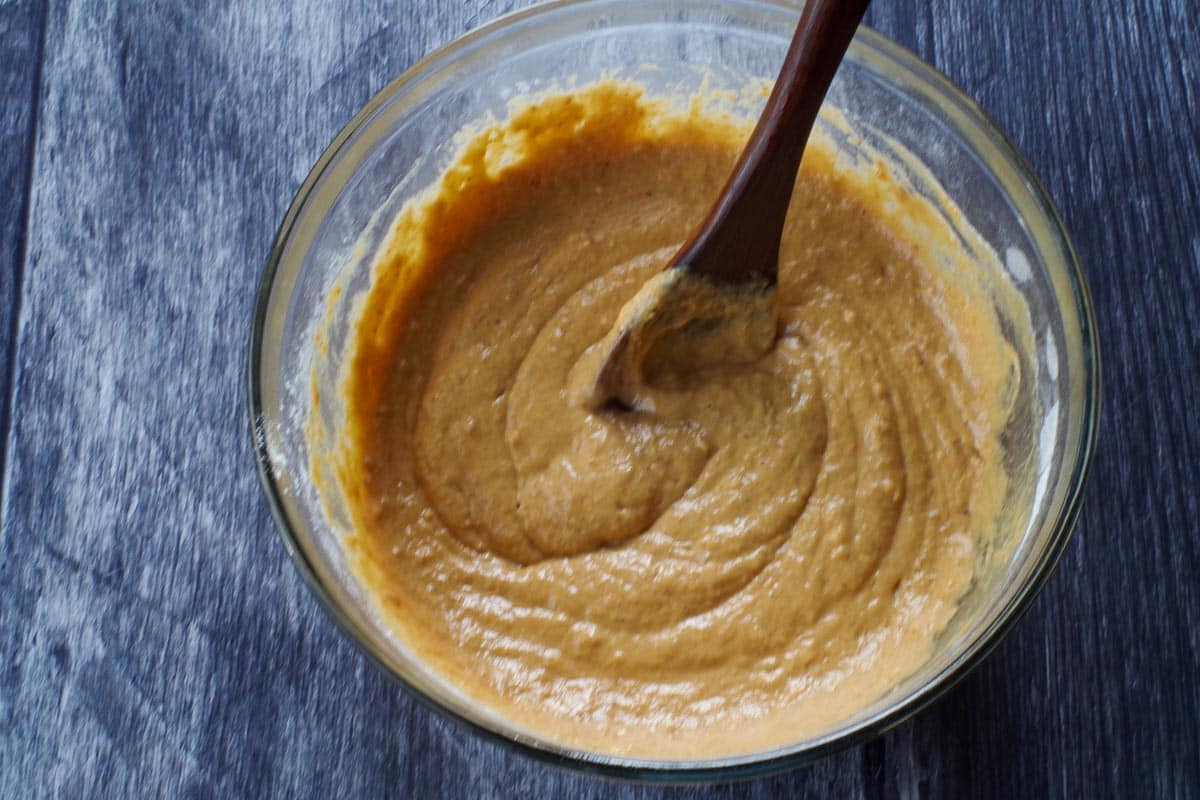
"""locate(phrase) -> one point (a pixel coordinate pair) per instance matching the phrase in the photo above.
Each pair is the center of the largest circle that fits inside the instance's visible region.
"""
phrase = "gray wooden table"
(154, 639)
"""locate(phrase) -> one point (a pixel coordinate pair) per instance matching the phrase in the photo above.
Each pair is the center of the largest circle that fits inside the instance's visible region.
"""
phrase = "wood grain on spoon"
(715, 302)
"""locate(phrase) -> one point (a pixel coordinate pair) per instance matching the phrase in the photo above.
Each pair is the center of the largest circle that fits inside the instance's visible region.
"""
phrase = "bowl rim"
(951, 98)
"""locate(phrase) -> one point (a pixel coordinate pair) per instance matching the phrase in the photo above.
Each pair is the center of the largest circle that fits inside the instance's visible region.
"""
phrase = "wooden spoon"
(715, 302)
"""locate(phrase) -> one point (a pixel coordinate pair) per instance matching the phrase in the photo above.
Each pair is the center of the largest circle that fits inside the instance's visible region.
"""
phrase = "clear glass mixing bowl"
(400, 141)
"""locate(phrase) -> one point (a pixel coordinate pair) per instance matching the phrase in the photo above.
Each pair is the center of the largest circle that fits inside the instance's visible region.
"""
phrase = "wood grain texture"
(154, 639)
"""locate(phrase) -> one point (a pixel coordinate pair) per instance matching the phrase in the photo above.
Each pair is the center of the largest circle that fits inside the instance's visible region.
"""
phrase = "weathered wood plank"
(155, 640)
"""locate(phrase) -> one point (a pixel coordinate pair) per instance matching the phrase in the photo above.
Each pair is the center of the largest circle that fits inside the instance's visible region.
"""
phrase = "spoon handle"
(738, 242)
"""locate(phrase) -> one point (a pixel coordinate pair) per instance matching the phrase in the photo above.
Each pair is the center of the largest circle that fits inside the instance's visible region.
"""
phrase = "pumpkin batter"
(759, 550)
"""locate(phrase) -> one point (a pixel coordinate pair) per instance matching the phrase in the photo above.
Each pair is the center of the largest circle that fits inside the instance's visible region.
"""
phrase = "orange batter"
(771, 548)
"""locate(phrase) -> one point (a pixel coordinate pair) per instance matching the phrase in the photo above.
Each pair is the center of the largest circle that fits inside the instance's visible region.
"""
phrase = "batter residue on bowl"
(773, 548)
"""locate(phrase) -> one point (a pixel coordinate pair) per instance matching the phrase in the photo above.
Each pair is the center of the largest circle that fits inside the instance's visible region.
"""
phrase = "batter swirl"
(771, 548)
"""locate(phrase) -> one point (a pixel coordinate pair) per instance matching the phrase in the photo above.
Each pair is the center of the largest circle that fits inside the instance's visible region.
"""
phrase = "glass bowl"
(401, 140)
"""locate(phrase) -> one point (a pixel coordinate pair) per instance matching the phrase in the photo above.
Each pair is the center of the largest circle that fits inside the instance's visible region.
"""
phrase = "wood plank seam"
(9, 380)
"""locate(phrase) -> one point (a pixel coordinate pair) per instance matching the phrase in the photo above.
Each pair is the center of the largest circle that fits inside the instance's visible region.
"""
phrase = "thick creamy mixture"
(768, 549)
